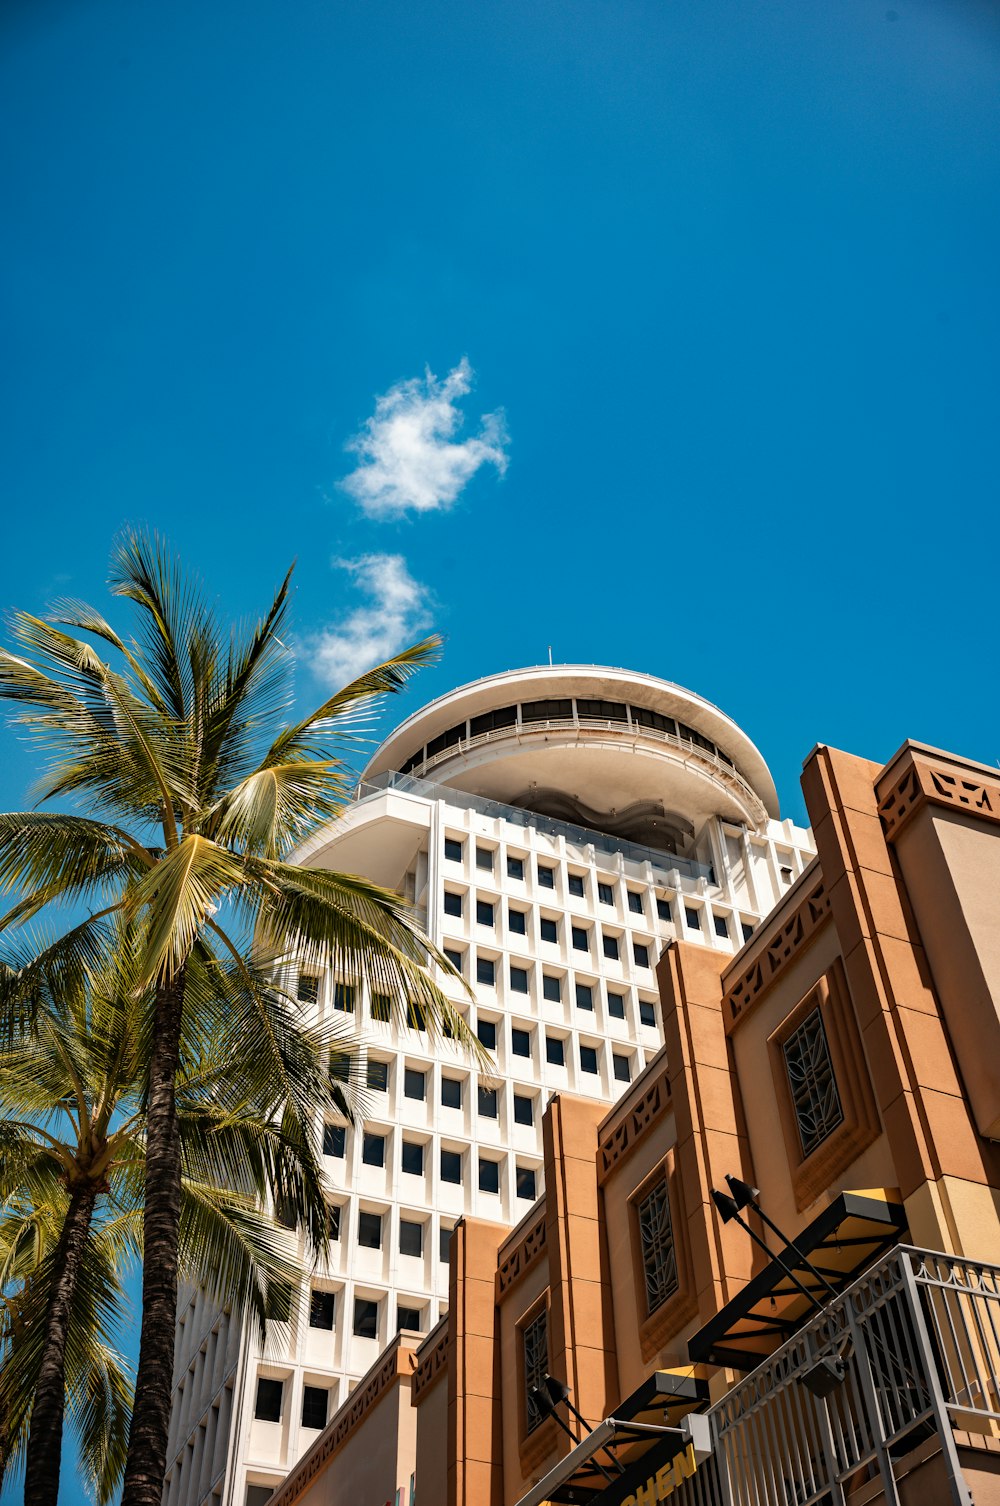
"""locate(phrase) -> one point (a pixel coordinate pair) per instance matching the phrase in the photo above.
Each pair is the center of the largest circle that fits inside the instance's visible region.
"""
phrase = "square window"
(692, 918)
(488, 1108)
(377, 1076)
(518, 980)
(408, 1317)
(343, 998)
(581, 939)
(663, 909)
(444, 1245)
(584, 996)
(588, 1060)
(548, 929)
(373, 1149)
(575, 885)
(486, 972)
(721, 928)
(340, 1066)
(546, 877)
(555, 1051)
(412, 1158)
(647, 1012)
(623, 1068)
(486, 1030)
(365, 1318)
(278, 1303)
(334, 1140)
(321, 1308)
(551, 988)
(616, 1006)
(370, 1231)
(606, 894)
(524, 1109)
(484, 859)
(414, 1084)
(308, 989)
(315, 1403)
(516, 922)
(610, 944)
(515, 867)
(451, 1092)
(747, 930)
(415, 1017)
(452, 903)
(381, 1008)
(269, 1395)
(451, 1167)
(640, 954)
(411, 1237)
(333, 1212)
(520, 1042)
(489, 1175)
(634, 901)
(525, 1181)
(484, 912)
(452, 850)
(457, 959)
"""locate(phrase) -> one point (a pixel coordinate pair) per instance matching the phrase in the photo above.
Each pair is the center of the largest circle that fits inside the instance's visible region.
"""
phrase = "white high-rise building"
(553, 827)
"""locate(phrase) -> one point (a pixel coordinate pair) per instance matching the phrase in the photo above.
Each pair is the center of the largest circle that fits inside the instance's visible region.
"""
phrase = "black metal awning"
(854, 1230)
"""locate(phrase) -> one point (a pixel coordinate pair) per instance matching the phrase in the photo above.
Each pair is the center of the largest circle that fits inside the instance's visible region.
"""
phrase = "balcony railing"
(578, 836)
(916, 1340)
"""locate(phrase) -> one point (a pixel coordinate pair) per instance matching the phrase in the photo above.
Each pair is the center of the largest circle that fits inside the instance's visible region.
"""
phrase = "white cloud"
(397, 616)
(409, 457)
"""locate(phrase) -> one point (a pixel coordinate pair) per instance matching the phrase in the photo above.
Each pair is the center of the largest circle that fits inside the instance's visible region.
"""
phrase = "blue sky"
(724, 277)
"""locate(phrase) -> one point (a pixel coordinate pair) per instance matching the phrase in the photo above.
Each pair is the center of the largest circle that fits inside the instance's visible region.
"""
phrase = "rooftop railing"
(665, 863)
(908, 1353)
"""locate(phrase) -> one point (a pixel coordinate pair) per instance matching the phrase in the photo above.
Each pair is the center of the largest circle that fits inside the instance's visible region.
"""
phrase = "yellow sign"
(666, 1480)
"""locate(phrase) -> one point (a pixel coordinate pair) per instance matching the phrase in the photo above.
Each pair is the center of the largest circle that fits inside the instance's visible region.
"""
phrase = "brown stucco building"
(846, 1063)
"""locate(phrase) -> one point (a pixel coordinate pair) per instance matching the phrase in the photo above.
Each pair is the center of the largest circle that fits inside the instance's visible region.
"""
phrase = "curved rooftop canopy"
(609, 748)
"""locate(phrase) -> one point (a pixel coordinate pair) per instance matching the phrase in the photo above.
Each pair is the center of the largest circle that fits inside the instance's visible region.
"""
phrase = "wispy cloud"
(397, 614)
(409, 457)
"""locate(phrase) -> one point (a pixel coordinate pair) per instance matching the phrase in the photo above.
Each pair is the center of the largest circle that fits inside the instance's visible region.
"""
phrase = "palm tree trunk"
(147, 1444)
(41, 1486)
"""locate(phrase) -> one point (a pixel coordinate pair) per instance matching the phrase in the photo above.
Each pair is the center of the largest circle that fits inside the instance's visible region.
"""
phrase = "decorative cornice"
(398, 1361)
(529, 1248)
(629, 1124)
(771, 951)
(432, 1364)
(917, 778)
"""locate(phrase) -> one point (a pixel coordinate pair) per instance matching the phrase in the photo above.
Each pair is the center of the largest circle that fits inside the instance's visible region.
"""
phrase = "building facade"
(554, 828)
(824, 1328)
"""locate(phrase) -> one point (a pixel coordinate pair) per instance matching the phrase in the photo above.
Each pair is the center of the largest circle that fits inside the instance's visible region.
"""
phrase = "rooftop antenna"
(550, 653)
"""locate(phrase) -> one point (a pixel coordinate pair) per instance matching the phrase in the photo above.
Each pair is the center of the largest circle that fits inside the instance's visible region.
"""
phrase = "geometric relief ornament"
(625, 1135)
(925, 781)
(787, 940)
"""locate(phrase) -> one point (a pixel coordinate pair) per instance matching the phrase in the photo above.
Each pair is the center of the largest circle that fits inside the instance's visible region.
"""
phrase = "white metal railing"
(726, 773)
(917, 1342)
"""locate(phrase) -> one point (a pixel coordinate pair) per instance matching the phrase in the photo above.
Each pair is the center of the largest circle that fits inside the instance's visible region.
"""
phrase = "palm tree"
(71, 1176)
(197, 790)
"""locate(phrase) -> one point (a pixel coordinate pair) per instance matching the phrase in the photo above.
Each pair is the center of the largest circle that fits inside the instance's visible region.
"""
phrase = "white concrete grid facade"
(558, 939)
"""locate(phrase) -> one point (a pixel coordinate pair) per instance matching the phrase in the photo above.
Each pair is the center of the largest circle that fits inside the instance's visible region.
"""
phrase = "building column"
(475, 1456)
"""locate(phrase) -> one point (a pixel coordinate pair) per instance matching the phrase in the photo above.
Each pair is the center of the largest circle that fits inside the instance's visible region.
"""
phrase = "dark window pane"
(451, 1167)
(451, 1092)
(278, 1304)
(520, 1042)
(605, 894)
(555, 1052)
(484, 912)
(616, 1006)
(546, 711)
(378, 1076)
(268, 1404)
(535, 1353)
(343, 998)
(412, 1158)
(663, 909)
(647, 1012)
(315, 1401)
(645, 718)
(334, 1139)
(611, 947)
(548, 929)
(588, 1059)
(659, 1261)
(484, 859)
(525, 1182)
(746, 929)
(488, 1103)
(581, 939)
(584, 996)
(601, 711)
(381, 1008)
(321, 1309)
(623, 1068)
(414, 1084)
(340, 1067)
(515, 868)
(487, 1033)
(308, 989)
(370, 1231)
(365, 1318)
(575, 885)
(519, 980)
(373, 1150)
(333, 1211)
(546, 877)
(489, 1175)
(640, 954)
(515, 920)
(457, 959)
(486, 971)
(692, 917)
(411, 1237)
(452, 850)
(408, 1317)
(721, 928)
(635, 901)
(444, 1245)
(491, 721)
(524, 1109)
(415, 1018)
(551, 988)
(452, 902)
